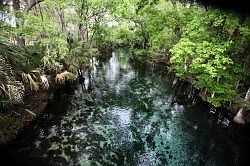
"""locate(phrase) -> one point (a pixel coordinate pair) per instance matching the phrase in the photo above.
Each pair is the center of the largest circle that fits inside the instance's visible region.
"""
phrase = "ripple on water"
(122, 116)
(146, 159)
(132, 119)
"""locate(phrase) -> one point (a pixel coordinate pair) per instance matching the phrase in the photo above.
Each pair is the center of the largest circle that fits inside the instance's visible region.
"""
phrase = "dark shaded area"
(9, 158)
(239, 6)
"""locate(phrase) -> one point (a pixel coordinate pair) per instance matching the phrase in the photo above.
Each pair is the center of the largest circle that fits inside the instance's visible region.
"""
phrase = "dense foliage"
(206, 46)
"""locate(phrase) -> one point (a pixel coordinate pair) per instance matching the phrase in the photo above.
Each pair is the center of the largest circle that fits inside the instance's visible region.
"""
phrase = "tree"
(239, 117)
(16, 6)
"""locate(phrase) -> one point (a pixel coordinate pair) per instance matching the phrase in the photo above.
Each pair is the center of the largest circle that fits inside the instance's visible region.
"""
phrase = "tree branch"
(32, 4)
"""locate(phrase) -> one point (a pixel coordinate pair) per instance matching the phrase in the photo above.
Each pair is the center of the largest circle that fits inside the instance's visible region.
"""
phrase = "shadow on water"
(128, 116)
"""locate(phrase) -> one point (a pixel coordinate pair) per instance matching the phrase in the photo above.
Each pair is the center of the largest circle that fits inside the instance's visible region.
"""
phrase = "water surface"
(128, 116)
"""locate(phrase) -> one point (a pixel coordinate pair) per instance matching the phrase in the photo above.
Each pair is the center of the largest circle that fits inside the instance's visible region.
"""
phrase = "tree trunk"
(1, 9)
(174, 4)
(32, 4)
(87, 26)
(91, 38)
(16, 7)
(41, 15)
(61, 17)
(213, 94)
(177, 29)
(206, 7)
(1, 4)
(242, 18)
(239, 117)
(80, 25)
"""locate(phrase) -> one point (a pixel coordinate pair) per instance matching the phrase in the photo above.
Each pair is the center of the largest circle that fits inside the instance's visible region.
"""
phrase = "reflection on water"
(128, 118)
(122, 115)
(112, 69)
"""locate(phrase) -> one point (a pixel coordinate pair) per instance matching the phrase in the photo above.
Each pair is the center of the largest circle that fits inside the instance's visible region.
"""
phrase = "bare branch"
(33, 3)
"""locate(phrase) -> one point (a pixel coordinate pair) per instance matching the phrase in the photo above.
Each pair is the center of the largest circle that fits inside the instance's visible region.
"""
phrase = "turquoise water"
(127, 116)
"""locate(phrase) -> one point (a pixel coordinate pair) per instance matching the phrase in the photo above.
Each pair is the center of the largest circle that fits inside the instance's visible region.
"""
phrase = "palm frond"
(28, 79)
(13, 91)
(64, 76)
(5, 70)
(13, 60)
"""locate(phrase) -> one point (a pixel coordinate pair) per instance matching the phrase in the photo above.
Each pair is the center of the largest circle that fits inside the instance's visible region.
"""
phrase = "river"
(131, 116)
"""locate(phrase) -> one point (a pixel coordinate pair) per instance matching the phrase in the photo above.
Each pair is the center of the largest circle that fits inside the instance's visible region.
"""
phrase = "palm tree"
(11, 90)
(14, 60)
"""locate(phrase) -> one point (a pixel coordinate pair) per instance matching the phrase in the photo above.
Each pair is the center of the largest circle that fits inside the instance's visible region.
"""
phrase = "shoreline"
(21, 116)
(162, 65)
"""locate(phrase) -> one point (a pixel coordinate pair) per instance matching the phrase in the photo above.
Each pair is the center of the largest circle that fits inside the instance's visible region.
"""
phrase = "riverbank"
(20, 116)
(16, 118)
(161, 64)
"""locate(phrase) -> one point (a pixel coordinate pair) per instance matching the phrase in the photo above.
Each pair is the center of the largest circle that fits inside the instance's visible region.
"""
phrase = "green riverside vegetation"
(46, 40)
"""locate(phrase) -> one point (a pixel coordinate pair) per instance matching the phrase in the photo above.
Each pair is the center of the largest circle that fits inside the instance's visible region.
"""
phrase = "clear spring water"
(128, 116)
